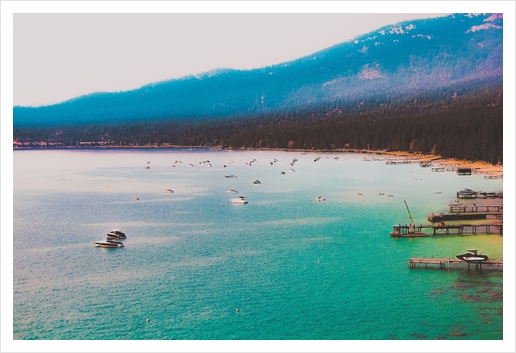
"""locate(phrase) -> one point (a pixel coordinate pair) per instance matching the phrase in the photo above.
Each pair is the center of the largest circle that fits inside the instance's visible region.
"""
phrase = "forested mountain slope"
(466, 126)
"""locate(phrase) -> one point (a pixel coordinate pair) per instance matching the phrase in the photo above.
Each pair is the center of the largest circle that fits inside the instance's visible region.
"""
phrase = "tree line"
(464, 126)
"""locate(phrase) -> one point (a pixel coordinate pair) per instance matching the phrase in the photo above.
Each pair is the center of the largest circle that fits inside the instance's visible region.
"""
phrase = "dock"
(464, 212)
(406, 161)
(455, 264)
(470, 194)
(406, 231)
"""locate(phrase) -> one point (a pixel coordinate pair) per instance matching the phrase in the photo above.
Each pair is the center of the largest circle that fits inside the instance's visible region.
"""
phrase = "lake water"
(295, 269)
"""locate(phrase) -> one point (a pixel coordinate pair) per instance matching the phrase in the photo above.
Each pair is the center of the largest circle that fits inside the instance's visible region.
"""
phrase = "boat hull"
(238, 202)
(108, 244)
(472, 258)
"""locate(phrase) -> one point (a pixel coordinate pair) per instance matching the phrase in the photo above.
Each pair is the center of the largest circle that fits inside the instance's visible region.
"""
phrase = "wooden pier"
(440, 217)
(455, 264)
(406, 231)
(475, 208)
(470, 194)
(406, 161)
(493, 176)
(464, 212)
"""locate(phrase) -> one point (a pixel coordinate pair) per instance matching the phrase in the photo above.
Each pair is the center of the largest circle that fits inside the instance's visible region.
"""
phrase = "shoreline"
(477, 167)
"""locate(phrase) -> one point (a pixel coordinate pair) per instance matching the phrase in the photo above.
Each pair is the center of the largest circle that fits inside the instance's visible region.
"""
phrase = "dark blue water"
(295, 269)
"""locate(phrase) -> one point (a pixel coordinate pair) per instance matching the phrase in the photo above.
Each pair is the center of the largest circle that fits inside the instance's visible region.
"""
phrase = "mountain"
(462, 51)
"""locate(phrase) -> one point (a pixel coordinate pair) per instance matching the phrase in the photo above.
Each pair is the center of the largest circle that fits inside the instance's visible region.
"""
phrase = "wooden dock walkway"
(404, 231)
(440, 217)
(454, 264)
(464, 212)
(470, 194)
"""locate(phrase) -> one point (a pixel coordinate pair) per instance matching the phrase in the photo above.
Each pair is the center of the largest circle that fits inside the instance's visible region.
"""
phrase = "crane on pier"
(412, 225)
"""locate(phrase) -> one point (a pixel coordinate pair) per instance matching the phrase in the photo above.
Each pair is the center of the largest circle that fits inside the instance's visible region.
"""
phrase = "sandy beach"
(477, 167)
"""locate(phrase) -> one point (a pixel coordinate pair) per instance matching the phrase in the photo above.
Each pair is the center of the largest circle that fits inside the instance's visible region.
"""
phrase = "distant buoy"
(243, 249)
(148, 320)
(237, 310)
(206, 231)
(319, 261)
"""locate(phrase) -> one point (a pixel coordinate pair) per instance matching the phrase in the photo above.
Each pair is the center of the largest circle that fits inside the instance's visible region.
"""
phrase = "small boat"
(169, 191)
(231, 176)
(232, 191)
(472, 256)
(108, 244)
(116, 234)
(256, 182)
(147, 167)
(239, 200)
(320, 198)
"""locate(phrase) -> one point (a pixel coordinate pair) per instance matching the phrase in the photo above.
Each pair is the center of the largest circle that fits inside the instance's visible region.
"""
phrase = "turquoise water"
(294, 268)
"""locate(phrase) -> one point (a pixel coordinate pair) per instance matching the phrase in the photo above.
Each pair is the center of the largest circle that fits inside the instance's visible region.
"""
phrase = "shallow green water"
(295, 268)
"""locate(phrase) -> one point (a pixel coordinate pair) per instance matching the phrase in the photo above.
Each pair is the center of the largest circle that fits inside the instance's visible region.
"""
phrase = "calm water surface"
(295, 268)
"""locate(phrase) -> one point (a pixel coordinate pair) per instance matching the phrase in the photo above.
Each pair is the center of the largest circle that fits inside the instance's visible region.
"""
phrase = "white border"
(9, 8)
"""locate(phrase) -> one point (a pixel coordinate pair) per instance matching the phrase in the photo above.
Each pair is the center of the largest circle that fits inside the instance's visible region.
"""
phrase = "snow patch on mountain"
(396, 30)
(484, 26)
(493, 17)
(369, 73)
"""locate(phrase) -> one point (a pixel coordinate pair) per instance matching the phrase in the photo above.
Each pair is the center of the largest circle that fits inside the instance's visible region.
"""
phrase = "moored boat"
(108, 244)
(472, 256)
(116, 234)
(239, 200)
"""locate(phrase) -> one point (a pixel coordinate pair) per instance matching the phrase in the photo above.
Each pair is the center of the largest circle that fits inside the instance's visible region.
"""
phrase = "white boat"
(231, 176)
(232, 191)
(239, 200)
(116, 234)
(472, 255)
(108, 244)
(320, 198)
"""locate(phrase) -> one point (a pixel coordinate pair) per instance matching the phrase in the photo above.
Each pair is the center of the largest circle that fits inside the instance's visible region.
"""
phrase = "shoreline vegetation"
(449, 164)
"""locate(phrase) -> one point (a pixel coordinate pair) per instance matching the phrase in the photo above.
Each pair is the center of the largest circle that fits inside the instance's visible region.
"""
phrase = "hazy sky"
(62, 56)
